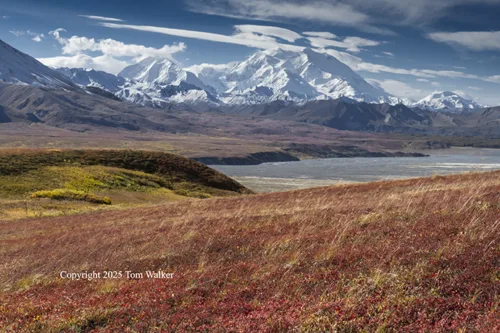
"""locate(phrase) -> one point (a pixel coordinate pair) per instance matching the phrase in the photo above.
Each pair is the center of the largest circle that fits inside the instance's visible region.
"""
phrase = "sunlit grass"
(81, 181)
(412, 255)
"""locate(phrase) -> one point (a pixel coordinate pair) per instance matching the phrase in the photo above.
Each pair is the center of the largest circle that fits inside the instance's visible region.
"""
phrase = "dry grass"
(413, 255)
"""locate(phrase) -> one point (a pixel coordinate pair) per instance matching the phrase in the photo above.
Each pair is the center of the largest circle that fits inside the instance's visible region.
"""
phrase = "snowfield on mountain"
(447, 101)
(265, 77)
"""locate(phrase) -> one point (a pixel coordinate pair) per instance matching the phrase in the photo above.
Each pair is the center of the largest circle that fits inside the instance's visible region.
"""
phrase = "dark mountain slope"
(345, 114)
(80, 110)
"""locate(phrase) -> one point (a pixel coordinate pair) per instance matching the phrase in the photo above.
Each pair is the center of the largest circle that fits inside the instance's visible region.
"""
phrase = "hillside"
(407, 256)
(345, 114)
(307, 87)
(61, 182)
(81, 111)
(96, 109)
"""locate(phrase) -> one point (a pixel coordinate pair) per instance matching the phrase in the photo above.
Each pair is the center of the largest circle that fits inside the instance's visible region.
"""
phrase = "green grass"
(80, 178)
(172, 167)
(32, 180)
(65, 194)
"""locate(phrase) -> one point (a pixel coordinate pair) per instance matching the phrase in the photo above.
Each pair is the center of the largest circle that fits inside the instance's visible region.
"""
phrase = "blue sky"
(410, 48)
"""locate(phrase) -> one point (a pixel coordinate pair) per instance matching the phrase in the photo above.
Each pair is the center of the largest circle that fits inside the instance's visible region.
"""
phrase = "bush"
(64, 194)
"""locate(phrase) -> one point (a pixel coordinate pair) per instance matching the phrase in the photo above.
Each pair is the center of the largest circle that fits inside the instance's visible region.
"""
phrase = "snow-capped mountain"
(447, 101)
(89, 77)
(151, 82)
(154, 73)
(332, 78)
(19, 68)
(155, 82)
(213, 74)
(286, 75)
(264, 77)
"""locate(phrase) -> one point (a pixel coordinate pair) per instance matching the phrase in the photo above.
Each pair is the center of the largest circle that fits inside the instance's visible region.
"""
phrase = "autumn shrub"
(418, 255)
(65, 194)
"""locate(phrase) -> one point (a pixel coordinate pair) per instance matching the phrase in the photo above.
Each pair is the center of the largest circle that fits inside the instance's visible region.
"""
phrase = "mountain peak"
(279, 53)
(152, 70)
(438, 94)
(157, 60)
(90, 77)
(447, 101)
(19, 68)
(301, 76)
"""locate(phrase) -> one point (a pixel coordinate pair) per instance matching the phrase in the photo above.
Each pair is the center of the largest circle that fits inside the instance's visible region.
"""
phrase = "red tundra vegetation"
(420, 255)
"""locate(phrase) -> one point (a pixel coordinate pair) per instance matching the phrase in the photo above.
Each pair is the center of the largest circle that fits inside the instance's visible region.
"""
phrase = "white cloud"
(240, 38)
(356, 42)
(112, 53)
(435, 84)
(359, 65)
(104, 63)
(36, 37)
(288, 35)
(422, 73)
(399, 89)
(390, 54)
(494, 78)
(321, 34)
(422, 80)
(76, 45)
(331, 12)
(451, 74)
(473, 40)
(4, 17)
(464, 94)
(411, 12)
(251, 39)
(17, 33)
(102, 18)
(351, 44)
(474, 88)
(197, 69)
(377, 68)
(370, 16)
(347, 58)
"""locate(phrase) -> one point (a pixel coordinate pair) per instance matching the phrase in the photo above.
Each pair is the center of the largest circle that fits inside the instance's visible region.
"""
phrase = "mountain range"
(278, 86)
(266, 76)
(290, 76)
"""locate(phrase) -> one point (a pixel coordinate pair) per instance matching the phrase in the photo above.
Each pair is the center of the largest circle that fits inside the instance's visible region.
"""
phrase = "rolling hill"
(61, 182)
(417, 255)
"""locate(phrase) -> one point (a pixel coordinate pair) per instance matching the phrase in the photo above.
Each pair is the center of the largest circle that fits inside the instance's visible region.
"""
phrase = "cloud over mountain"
(473, 40)
(115, 55)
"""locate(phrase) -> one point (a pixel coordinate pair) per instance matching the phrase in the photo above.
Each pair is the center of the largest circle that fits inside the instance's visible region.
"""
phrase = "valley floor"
(232, 145)
(407, 256)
